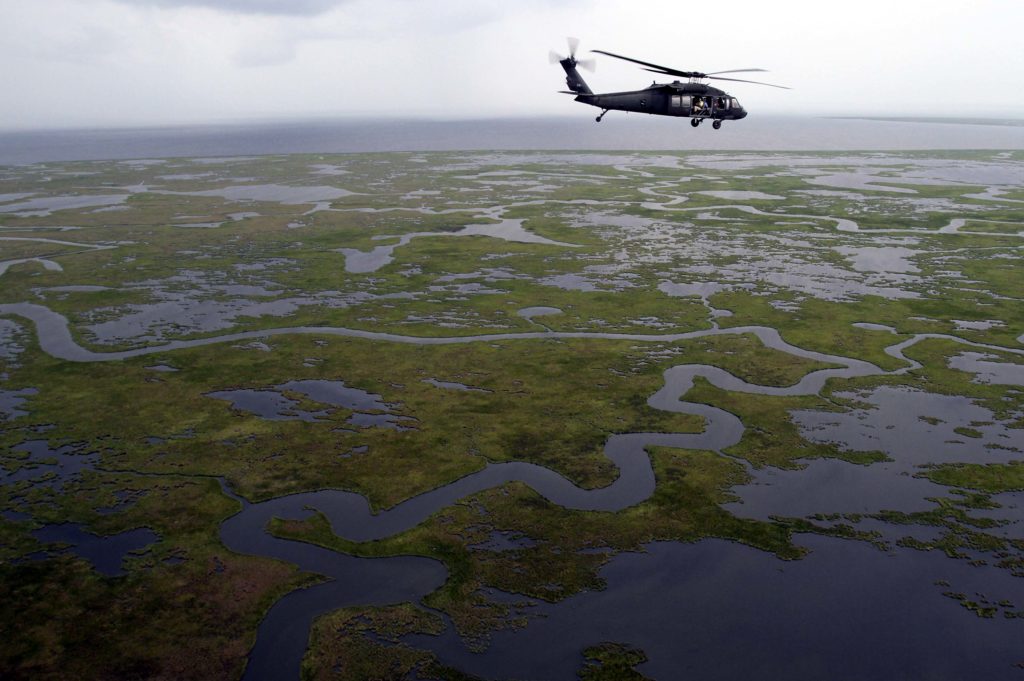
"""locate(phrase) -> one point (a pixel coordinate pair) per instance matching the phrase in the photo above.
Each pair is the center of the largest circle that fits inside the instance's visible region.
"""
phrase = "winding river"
(283, 635)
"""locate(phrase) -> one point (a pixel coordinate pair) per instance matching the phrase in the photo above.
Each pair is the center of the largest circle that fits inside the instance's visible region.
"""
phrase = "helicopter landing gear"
(716, 125)
(695, 122)
(598, 119)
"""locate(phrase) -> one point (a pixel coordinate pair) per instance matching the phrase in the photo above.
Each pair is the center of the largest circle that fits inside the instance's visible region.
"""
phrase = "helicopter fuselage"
(685, 100)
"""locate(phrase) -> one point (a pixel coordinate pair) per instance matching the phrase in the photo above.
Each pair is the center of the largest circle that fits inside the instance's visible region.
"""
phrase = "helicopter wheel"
(716, 125)
(695, 122)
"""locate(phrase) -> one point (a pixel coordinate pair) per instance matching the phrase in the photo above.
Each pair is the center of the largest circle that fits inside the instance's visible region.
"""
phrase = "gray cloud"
(288, 7)
(265, 53)
(119, 62)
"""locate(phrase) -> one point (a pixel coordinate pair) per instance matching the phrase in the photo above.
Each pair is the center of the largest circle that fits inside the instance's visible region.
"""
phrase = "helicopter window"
(677, 100)
(734, 103)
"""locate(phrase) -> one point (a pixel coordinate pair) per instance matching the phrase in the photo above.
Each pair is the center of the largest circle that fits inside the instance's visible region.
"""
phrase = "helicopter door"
(680, 105)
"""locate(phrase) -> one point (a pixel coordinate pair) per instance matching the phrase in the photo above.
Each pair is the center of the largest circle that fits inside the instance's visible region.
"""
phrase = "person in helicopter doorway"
(698, 105)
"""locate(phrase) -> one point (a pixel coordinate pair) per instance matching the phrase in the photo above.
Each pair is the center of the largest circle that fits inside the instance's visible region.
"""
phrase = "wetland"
(513, 415)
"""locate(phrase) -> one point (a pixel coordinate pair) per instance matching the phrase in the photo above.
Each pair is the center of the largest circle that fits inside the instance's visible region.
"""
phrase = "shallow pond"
(11, 402)
(360, 262)
(988, 371)
(45, 205)
(277, 193)
(880, 258)
(272, 404)
(911, 427)
(48, 467)
(729, 195)
(846, 611)
(538, 311)
(105, 553)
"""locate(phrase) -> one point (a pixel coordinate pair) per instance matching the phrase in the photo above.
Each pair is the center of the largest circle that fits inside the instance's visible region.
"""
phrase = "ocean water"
(618, 131)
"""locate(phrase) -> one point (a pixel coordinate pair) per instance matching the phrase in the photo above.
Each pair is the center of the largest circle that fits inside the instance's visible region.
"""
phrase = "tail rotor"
(574, 46)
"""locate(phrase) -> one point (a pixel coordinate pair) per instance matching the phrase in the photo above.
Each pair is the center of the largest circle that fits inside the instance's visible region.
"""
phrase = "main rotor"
(693, 76)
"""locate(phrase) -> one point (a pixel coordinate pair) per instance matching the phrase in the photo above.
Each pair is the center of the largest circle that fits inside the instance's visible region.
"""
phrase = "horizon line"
(1008, 121)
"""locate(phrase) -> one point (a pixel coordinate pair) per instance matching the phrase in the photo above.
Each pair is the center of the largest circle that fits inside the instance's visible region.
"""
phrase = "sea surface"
(618, 131)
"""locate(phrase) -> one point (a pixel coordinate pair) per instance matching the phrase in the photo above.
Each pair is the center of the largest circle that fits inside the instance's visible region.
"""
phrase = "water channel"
(682, 586)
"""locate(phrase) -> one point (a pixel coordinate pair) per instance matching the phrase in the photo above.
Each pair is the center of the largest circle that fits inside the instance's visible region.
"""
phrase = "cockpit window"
(735, 103)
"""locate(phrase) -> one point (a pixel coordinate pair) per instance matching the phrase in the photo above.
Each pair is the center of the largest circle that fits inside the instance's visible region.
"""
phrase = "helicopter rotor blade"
(714, 73)
(664, 70)
(554, 57)
(755, 82)
(656, 68)
(574, 45)
(588, 64)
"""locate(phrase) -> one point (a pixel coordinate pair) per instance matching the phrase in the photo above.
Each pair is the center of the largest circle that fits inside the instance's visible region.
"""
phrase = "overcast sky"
(68, 63)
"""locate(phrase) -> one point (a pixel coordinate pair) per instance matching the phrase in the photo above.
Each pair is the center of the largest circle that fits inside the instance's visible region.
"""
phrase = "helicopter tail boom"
(573, 80)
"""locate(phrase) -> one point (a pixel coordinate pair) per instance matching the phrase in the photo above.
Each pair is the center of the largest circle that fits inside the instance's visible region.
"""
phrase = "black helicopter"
(693, 99)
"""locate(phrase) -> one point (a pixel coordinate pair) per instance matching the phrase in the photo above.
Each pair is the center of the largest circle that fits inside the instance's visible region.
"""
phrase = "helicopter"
(693, 99)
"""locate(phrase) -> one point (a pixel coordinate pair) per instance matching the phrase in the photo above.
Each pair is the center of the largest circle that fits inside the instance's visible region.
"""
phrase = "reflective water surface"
(846, 611)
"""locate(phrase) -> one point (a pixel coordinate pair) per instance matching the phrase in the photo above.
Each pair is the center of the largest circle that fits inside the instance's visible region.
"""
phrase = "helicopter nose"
(742, 114)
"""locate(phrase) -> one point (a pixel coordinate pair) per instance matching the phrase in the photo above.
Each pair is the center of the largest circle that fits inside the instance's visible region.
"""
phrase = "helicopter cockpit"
(718, 103)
